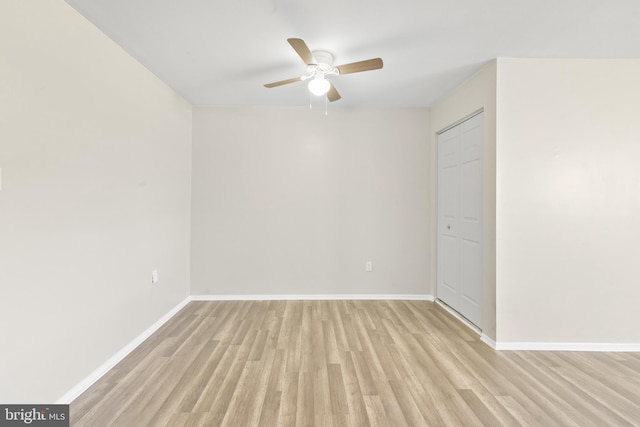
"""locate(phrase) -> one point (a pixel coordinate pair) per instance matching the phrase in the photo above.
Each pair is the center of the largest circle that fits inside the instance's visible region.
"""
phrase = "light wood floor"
(358, 363)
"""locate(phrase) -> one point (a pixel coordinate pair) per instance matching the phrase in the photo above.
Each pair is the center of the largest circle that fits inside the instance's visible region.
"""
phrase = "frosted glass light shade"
(319, 86)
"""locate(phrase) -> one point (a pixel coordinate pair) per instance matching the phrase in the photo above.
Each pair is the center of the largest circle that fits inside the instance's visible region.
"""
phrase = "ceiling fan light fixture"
(319, 86)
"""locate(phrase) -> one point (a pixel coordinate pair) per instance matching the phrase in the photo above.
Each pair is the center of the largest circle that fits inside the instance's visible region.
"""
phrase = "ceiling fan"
(319, 65)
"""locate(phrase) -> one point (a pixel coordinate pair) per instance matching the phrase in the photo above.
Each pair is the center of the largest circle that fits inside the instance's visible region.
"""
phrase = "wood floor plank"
(206, 372)
(321, 394)
(407, 404)
(330, 342)
(277, 371)
(270, 408)
(483, 413)
(245, 406)
(337, 390)
(353, 392)
(392, 410)
(188, 382)
(520, 414)
(350, 363)
(375, 412)
(305, 411)
(220, 404)
(419, 392)
(365, 378)
(289, 401)
(493, 405)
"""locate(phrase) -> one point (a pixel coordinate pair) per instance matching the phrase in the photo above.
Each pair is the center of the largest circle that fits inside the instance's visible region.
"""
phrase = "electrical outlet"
(154, 276)
(368, 266)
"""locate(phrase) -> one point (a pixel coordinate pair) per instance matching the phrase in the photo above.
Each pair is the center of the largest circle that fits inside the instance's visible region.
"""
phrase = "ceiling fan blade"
(333, 94)
(356, 67)
(283, 82)
(303, 51)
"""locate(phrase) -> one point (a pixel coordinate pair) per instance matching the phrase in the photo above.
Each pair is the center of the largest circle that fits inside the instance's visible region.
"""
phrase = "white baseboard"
(332, 297)
(488, 341)
(559, 346)
(116, 358)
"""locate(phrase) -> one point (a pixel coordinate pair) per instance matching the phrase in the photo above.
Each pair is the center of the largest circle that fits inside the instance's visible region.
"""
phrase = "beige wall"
(568, 203)
(95, 158)
(290, 201)
(477, 93)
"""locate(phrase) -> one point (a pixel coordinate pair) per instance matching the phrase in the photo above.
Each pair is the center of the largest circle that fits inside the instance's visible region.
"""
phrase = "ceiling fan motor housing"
(324, 63)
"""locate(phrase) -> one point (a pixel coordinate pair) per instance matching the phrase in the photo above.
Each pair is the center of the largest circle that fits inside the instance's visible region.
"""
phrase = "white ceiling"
(221, 52)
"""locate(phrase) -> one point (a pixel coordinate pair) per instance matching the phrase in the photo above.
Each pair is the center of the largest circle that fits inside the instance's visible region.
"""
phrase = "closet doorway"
(459, 235)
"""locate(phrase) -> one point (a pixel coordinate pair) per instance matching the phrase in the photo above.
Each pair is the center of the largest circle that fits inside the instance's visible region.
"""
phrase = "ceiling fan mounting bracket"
(323, 57)
(323, 66)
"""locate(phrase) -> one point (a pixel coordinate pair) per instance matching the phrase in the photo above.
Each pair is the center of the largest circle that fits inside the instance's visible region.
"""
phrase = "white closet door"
(448, 216)
(460, 218)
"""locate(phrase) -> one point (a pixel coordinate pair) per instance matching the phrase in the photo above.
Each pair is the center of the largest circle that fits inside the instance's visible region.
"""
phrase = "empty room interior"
(330, 213)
